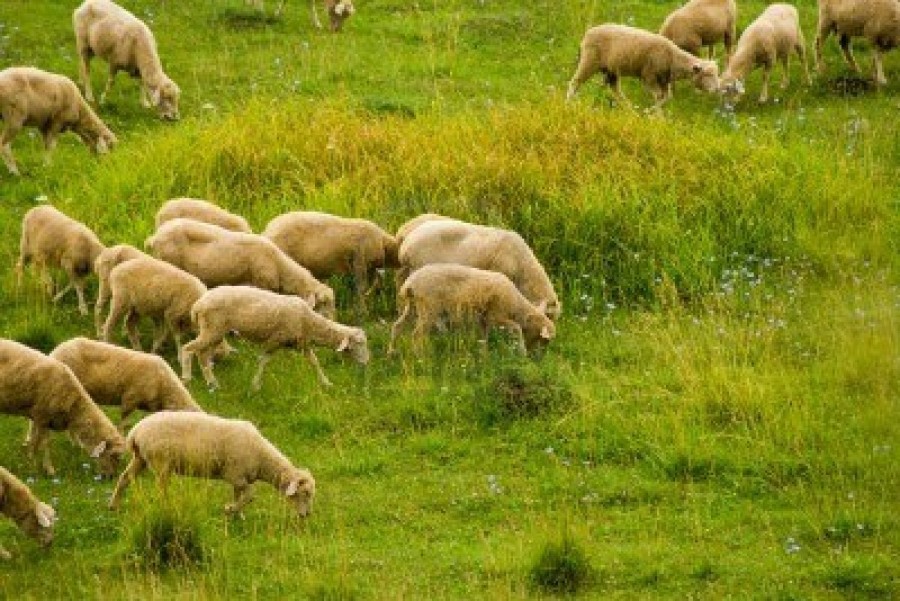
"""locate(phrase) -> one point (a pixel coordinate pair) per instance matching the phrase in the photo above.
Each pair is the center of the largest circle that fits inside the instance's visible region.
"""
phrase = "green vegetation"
(717, 416)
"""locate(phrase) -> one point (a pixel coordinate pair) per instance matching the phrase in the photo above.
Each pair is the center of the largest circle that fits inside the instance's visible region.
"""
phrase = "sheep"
(46, 391)
(199, 444)
(404, 230)
(617, 50)
(338, 11)
(272, 320)
(201, 210)
(220, 257)
(105, 29)
(52, 104)
(702, 23)
(770, 38)
(103, 266)
(52, 239)
(876, 20)
(34, 518)
(116, 376)
(460, 294)
(484, 247)
(328, 245)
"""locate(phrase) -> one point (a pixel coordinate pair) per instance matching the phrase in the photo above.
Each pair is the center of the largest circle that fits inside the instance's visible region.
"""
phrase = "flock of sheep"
(208, 276)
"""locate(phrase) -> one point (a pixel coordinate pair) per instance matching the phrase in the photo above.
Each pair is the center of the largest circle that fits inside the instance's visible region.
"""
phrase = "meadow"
(717, 417)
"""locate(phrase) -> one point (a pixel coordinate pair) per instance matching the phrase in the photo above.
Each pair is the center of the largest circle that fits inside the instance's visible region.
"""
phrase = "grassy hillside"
(717, 416)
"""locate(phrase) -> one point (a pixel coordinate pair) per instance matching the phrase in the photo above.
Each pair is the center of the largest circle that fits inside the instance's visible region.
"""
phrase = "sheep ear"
(344, 344)
(291, 490)
(98, 450)
(698, 67)
(311, 300)
(545, 333)
(542, 306)
(45, 514)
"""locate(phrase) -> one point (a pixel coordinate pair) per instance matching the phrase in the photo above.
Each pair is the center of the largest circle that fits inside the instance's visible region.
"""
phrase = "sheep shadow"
(245, 19)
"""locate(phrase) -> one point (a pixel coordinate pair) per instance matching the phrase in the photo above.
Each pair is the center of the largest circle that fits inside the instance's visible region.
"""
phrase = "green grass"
(717, 417)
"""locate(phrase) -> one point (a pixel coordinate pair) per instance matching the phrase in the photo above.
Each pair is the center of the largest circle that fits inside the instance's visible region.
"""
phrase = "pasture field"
(717, 418)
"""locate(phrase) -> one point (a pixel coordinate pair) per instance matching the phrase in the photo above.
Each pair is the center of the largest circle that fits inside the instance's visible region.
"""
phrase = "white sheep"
(271, 320)
(50, 238)
(462, 295)
(201, 210)
(103, 266)
(771, 38)
(702, 23)
(105, 29)
(52, 104)
(133, 380)
(221, 257)
(199, 444)
(48, 393)
(338, 11)
(619, 50)
(17, 502)
(876, 20)
(329, 245)
(407, 227)
(484, 247)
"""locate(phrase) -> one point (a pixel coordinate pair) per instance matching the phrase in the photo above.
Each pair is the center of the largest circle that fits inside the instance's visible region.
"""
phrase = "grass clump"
(562, 568)
(523, 390)
(40, 337)
(162, 541)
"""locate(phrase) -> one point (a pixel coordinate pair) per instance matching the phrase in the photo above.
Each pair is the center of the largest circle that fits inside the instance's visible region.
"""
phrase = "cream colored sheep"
(329, 245)
(105, 29)
(18, 503)
(463, 295)
(619, 50)
(220, 257)
(201, 210)
(198, 444)
(404, 230)
(484, 247)
(47, 392)
(876, 20)
(273, 321)
(52, 239)
(52, 104)
(702, 23)
(338, 11)
(133, 380)
(103, 266)
(771, 38)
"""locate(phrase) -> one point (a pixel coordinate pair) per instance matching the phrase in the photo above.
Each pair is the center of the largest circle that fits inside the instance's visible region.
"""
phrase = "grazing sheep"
(404, 230)
(103, 266)
(220, 257)
(484, 247)
(51, 103)
(702, 23)
(46, 391)
(105, 29)
(113, 375)
(338, 11)
(201, 210)
(463, 294)
(618, 50)
(33, 517)
(329, 245)
(769, 39)
(52, 239)
(199, 444)
(876, 20)
(274, 321)
(148, 287)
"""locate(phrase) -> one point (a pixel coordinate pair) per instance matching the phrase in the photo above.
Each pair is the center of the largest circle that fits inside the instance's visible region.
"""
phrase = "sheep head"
(164, 96)
(705, 75)
(107, 453)
(338, 12)
(356, 344)
(731, 88)
(38, 523)
(300, 491)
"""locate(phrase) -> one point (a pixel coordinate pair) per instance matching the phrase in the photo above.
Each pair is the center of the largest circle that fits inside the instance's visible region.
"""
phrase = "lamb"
(618, 50)
(103, 266)
(329, 245)
(46, 391)
(201, 210)
(220, 257)
(199, 444)
(116, 376)
(272, 320)
(52, 104)
(484, 247)
(338, 11)
(770, 38)
(876, 20)
(404, 230)
(461, 294)
(702, 23)
(105, 29)
(52, 239)
(34, 518)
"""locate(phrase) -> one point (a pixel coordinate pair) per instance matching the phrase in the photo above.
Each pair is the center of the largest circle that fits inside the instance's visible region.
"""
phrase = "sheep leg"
(51, 137)
(102, 299)
(243, 494)
(847, 51)
(587, 67)
(395, 329)
(323, 380)
(79, 292)
(9, 132)
(315, 15)
(46, 279)
(516, 329)
(801, 53)
(39, 442)
(616, 82)
(786, 73)
(135, 467)
(880, 79)
(84, 62)
(201, 346)
(822, 34)
(29, 434)
(131, 321)
(109, 83)
(264, 359)
(662, 96)
(160, 337)
(63, 292)
(116, 312)
(767, 71)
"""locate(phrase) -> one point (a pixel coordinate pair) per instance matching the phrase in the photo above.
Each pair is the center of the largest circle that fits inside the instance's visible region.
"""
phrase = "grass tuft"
(163, 541)
(562, 568)
(523, 390)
